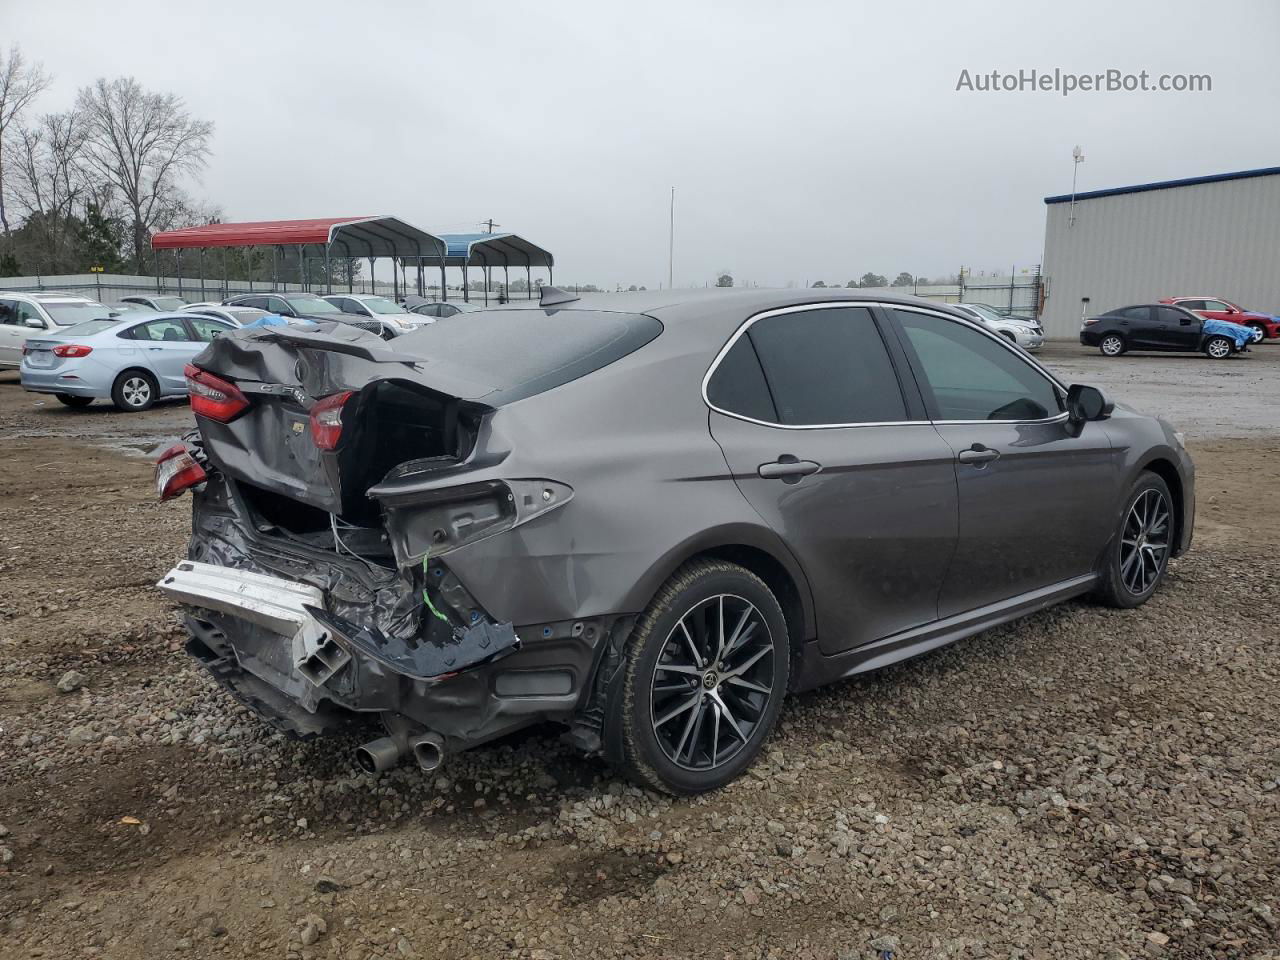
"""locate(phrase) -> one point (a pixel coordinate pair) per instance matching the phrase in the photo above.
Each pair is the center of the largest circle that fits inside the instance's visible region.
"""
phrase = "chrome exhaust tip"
(379, 755)
(428, 750)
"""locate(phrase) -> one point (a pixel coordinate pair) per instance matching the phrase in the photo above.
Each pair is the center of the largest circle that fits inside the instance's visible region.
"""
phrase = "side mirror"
(34, 323)
(1085, 403)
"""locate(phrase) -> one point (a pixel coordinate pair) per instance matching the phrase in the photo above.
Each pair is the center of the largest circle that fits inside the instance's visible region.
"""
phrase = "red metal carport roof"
(358, 236)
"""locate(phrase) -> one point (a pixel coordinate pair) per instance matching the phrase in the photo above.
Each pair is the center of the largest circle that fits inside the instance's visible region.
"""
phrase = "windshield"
(89, 328)
(382, 305)
(311, 305)
(65, 314)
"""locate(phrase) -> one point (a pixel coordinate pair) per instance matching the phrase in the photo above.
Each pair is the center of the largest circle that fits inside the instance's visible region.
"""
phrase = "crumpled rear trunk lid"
(401, 410)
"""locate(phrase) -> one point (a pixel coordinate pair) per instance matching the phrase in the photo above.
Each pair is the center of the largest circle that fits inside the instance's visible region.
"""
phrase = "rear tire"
(705, 673)
(134, 391)
(1138, 557)
(1219, 348)
(1112, 345)
(69, 400)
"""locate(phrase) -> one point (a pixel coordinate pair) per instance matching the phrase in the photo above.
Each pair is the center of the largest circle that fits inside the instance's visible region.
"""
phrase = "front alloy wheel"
(1218, 348)
(1139, 555)
(1259, 334)
(705, 672)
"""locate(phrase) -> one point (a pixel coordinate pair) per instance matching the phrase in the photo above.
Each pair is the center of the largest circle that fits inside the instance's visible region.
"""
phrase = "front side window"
(1191, 304)
(1173, 315)
(1217, 306)
(206, 330)
(164, 330)
(821, 367)
(972, 376)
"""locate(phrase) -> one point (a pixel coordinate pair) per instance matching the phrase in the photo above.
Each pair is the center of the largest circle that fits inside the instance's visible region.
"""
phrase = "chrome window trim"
(831, 304)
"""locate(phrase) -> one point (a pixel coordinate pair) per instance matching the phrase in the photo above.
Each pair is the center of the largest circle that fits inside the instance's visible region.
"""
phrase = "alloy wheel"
(1144, 542)
(136, 391)
(1112, 346)
(713, 682)
(1259, 335)
(1219, 348)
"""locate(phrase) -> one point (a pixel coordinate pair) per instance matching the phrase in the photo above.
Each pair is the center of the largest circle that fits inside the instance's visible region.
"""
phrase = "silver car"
(380, 309)
(1027, 334)
(24, 315)
(132, 361)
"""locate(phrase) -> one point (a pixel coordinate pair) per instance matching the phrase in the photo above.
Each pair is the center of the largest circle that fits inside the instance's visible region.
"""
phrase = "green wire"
(427, 599)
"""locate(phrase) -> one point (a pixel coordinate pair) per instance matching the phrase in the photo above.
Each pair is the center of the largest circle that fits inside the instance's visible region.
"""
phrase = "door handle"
(978, 454)
(788, 469)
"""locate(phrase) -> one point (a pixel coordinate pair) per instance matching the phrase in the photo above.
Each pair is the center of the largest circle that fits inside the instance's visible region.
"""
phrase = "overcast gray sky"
(805, 140)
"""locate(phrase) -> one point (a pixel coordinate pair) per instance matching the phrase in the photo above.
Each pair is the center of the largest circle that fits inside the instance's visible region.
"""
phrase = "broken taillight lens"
(72, 350)
(214, 397)
(176, 471)
(326, 420)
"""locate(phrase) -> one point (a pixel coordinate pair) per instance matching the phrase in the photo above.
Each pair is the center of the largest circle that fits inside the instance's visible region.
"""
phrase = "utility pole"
(1077, 157)
(671, 243)
(490, 224)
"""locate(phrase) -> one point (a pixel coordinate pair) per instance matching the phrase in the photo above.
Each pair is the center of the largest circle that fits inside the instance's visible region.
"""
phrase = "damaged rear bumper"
(312, 640)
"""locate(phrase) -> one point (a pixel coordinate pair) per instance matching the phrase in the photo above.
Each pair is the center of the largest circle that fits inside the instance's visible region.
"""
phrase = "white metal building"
(1215, 236)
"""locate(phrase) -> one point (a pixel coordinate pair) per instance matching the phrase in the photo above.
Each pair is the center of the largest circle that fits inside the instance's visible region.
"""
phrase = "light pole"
(671, 242)
(1077, 158)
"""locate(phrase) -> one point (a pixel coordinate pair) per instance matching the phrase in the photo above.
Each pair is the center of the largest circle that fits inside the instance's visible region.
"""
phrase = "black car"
(1155, 326)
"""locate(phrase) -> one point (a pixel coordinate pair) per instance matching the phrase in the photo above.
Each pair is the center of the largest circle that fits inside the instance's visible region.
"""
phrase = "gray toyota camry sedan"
(647, 518)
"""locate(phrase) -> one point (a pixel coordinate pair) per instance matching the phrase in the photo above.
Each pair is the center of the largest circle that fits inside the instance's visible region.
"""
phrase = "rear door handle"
(978, 454)
(788, 469)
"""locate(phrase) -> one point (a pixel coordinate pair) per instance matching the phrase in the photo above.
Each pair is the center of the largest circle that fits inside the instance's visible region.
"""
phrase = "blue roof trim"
(1167, 184)
(460, 244)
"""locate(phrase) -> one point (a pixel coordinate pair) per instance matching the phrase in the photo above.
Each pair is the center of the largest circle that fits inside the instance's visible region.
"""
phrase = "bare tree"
(20, 83)
(142, 143)
(49, 184)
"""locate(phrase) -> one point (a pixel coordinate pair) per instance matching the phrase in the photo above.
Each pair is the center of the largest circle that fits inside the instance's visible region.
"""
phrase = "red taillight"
(72, 350)
(176, 471)
(214, 397)
(326, 420)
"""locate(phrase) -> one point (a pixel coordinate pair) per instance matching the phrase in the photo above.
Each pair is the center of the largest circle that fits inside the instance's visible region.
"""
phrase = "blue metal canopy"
(493, 250)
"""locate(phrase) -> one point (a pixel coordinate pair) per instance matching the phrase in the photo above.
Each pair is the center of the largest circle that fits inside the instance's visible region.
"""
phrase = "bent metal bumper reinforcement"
(277, 604)
(324, 643)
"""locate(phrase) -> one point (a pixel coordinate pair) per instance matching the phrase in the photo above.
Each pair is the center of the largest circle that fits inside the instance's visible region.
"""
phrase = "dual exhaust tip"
(383, 754)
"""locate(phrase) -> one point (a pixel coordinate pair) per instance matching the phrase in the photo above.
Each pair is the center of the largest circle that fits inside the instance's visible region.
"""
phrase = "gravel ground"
(1085, 783)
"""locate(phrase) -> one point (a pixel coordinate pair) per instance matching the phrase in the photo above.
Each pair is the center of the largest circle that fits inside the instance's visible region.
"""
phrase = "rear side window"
(738, 384)
(519, 353)
(1132, 313)
(827, 367)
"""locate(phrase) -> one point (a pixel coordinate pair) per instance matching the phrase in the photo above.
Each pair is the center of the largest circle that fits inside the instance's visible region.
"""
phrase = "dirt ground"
(1084, 783)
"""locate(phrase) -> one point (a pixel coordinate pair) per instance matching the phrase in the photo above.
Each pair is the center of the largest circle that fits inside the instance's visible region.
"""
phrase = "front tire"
(1138, 558)
(1259, 333)
(1218, 348)
(1112, 345)
(69, 400)
(134, 391)
(706, 671)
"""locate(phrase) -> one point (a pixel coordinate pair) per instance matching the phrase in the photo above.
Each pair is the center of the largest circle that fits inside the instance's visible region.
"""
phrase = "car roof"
(48, 297)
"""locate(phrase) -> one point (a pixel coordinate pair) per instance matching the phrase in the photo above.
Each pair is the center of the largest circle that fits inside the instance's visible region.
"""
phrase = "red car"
(1225, 310)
